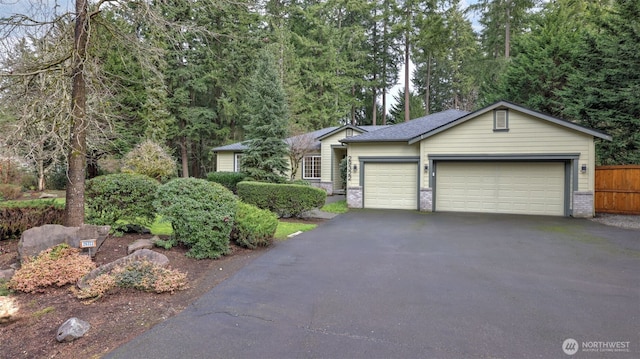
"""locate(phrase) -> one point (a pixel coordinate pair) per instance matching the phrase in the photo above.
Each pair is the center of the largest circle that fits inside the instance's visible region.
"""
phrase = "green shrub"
(150, 159)
(58, 266)
(228, 179)
(253, 227)
(17, 217)
(121, 197)
(285, 200)
(201, 214)
(10, 192)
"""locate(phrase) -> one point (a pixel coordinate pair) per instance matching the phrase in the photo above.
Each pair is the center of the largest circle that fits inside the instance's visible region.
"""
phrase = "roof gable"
(511, 106)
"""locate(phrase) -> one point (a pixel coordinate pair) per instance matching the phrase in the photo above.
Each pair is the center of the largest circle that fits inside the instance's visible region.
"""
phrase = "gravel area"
(618, 220)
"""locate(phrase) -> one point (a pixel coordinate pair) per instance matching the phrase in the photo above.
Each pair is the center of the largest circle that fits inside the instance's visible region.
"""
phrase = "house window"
(501, 120)
(349, 132)
(311, 167)
(236, 162)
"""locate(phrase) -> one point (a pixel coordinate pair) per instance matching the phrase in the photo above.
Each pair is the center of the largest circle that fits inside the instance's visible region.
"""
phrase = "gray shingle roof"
(407, 130)
(240, 146)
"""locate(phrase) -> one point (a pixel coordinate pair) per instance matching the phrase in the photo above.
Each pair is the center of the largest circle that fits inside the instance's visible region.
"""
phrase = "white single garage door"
(391, 185)
(501, 187)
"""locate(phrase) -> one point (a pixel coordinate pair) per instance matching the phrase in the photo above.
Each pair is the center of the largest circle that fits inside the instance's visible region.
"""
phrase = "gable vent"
(500, 120)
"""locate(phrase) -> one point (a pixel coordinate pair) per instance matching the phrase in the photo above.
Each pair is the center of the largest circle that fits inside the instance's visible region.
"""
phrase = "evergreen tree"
(396, 112)
(603, 91)
(265, 157)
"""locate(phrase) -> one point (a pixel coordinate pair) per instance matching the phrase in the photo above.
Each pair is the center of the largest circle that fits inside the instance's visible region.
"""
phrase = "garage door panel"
(391, 185)
(501, 187)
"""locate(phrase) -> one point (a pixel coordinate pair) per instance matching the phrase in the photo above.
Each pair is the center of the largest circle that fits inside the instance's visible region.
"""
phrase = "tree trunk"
(507, 33)
(374, 110)
(407, 114)
(41, 182)
(184, 157)
(427, 86)
(74, 209)
(384, 106)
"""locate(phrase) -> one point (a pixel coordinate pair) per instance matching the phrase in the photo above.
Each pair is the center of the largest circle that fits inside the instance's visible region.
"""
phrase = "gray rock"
(143, 254)
(37, 239)
(48, 195)
(142, 243)
(72, 329)
(6, 274)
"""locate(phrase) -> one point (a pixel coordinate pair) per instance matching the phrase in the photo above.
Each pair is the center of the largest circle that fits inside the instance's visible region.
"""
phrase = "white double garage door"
(478, 186)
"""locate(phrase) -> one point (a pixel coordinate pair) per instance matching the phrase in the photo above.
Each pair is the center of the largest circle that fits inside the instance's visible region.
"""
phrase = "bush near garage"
(150, 159)
(201, 214)
(121, 199)
(253, 227)
(17, 217)
(285, 200)
(228, 179)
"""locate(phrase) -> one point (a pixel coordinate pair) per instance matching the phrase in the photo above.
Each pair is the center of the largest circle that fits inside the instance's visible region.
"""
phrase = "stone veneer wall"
(426, 199)
(583, 204)
(354, 197)
(327, 186)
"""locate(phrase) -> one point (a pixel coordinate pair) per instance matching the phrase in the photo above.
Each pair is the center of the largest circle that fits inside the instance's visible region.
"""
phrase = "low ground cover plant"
(57, 266)
(141, 275)
(201, 214)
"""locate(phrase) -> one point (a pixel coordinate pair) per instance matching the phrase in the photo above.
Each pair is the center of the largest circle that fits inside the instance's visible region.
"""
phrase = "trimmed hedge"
(124, 197)
(285, 200)
(253, 227)
(201, 214)
(228, 179)
(18, 218)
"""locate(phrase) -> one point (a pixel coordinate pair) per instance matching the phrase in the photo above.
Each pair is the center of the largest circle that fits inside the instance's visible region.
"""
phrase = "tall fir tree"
(266, 130)
(603, 91)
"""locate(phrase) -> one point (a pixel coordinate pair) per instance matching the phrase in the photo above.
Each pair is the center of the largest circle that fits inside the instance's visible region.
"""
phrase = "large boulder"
(37, 239)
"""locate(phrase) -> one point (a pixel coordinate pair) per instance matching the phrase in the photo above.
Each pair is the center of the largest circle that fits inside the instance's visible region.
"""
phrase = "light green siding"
(526, 135)
(327, 154)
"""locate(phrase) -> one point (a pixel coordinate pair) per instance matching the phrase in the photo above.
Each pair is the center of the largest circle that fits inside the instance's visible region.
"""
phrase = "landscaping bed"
(115, 318)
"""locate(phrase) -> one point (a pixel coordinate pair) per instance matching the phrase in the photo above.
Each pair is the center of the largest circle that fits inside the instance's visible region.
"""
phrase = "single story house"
(320, 165)
(503, 158)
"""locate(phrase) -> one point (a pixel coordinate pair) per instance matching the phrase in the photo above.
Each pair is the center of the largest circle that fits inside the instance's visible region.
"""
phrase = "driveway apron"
(403, 284)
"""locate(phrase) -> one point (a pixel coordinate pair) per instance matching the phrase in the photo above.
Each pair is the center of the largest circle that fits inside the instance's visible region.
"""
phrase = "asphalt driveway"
(401, 284)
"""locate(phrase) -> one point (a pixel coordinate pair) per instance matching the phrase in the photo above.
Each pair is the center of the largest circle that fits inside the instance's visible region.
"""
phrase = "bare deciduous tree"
(300, 146)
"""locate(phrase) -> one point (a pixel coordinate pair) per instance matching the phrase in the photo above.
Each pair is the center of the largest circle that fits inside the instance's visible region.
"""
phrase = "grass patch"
(337, 207)
(160, 228)
(286, 228)
(42, 312)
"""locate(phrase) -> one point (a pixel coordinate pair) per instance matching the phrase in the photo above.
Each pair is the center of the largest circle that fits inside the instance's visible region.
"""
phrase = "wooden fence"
(618, 189)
